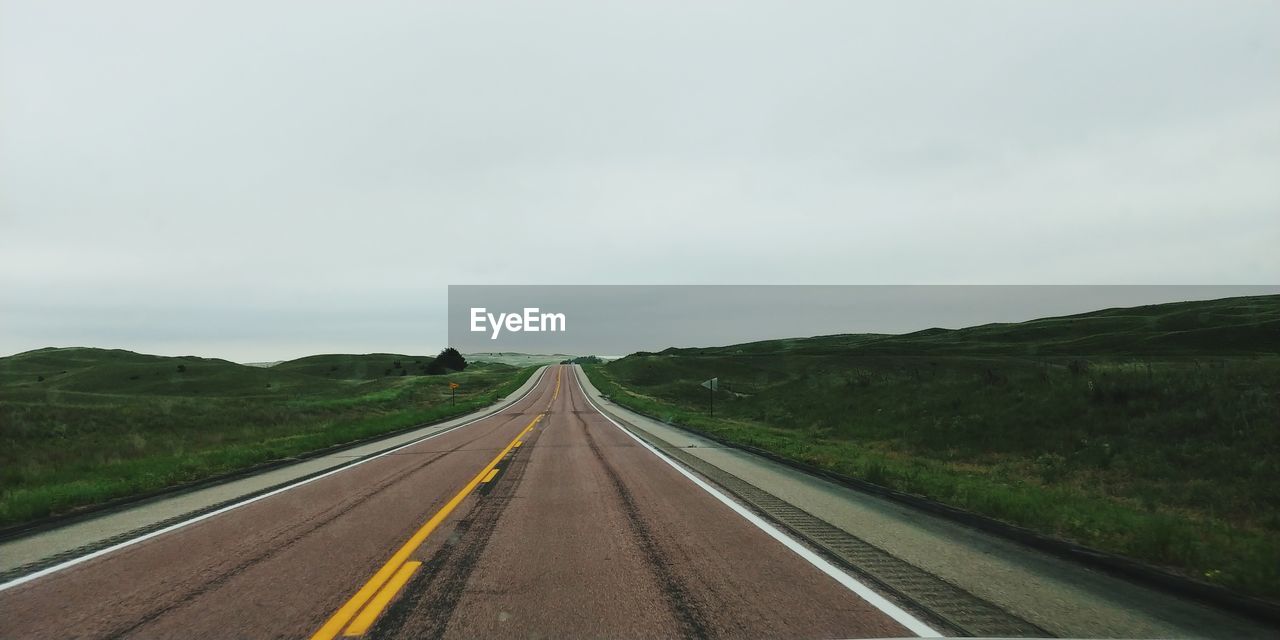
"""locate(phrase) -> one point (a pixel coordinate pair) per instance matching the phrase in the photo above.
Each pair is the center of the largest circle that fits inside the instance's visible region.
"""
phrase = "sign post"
(453, 391)
(711, 386)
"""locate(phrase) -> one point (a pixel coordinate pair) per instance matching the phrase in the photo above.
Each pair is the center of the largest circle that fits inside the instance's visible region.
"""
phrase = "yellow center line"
(340, 618)
(365, 620)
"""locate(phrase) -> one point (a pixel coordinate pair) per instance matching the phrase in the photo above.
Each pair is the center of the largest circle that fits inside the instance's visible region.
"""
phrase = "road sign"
(453, 385)
(712, 385)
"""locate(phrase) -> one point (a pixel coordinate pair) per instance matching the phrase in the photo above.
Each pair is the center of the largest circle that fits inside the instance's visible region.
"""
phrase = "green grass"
(83, 426)
(1151, 432)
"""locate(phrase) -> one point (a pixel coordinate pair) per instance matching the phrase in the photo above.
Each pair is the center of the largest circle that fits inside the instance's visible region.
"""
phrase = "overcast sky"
(263, 180)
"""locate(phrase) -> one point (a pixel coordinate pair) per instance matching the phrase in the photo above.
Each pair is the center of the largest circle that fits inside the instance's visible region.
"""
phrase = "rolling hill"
(1150, 431)
(79, 426)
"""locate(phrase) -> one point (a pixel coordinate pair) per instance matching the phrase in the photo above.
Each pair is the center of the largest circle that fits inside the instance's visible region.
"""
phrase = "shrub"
(451, 359)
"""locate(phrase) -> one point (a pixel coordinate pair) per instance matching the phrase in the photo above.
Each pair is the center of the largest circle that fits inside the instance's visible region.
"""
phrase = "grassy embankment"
(83, 426)
(1152, 432)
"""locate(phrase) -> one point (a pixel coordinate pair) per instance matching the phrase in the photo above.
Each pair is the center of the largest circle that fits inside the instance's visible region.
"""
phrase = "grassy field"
(82, 426)
(1152, 432)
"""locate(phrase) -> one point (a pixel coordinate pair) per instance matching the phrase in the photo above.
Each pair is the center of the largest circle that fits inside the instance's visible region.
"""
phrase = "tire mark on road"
(430, 598)
(690, 617)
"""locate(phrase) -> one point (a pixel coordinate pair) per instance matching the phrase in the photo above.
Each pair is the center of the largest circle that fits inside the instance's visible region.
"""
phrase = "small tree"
(451, 359)
(436, 368)
(182, 368)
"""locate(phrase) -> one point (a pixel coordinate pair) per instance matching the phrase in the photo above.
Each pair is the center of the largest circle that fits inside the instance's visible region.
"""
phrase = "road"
(545, 519)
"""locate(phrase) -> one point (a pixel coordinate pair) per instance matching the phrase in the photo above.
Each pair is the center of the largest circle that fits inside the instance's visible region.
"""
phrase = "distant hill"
(79, 426)
(1230, 326)
(516, 359)
(117, 371)
(357, 367)
(264, 365)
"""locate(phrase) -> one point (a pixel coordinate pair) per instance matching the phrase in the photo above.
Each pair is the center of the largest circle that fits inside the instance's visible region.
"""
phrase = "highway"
(545, 519)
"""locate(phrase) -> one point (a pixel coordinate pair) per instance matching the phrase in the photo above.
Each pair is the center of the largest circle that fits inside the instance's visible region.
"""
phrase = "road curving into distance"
(545, 519)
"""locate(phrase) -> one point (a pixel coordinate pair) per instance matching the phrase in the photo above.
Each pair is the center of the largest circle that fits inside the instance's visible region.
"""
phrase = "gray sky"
(262, 180)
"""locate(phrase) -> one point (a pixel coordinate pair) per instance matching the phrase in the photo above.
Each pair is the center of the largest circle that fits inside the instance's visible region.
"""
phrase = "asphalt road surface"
(545, 519)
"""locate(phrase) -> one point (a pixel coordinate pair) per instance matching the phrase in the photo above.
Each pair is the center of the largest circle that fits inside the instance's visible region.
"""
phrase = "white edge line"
(178, 525)
(863, 591)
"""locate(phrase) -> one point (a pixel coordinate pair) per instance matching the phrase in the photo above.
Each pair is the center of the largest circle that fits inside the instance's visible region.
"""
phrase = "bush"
(451, 359)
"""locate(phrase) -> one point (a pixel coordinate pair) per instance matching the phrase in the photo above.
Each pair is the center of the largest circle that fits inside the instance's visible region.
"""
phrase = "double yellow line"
(377, 593)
